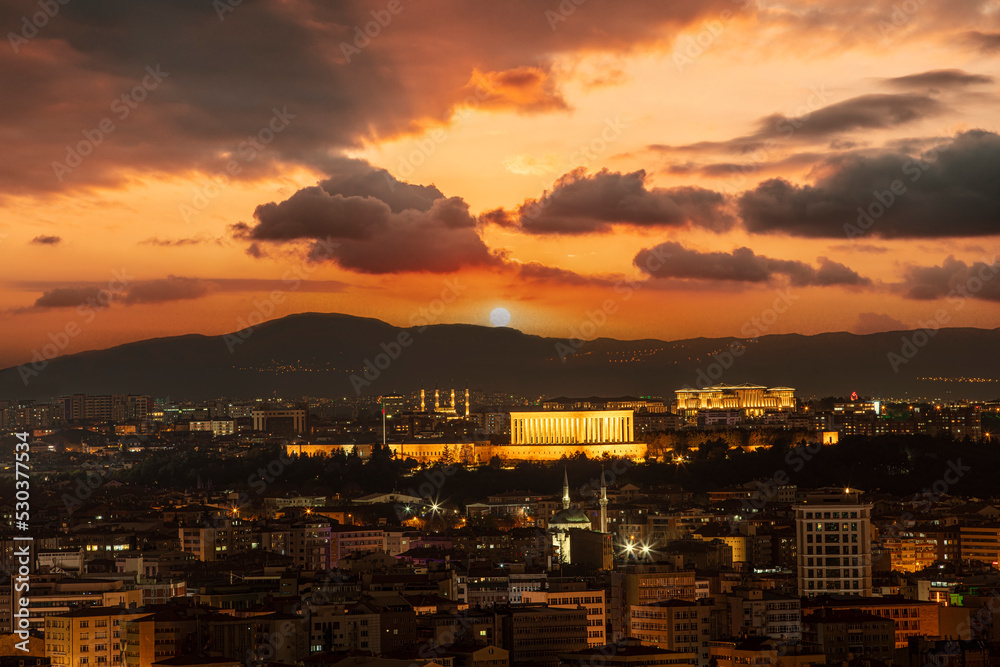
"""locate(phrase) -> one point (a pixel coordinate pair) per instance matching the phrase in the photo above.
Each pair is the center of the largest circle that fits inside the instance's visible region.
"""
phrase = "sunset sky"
(687, 162)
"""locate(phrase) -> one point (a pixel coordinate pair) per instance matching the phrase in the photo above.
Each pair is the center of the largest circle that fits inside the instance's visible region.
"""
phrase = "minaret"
(565, 489)
(453, 406)
(437, 398)
(423, 398)
(466, 399)
(603, 502)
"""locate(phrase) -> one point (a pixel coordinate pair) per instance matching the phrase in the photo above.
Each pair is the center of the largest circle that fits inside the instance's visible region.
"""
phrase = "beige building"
(676, 625)
(91, 636)
(912, 618)
(479, 656)
(52, 598)
(981, 543)
(911, 554)
(652, 583)
(591, 600)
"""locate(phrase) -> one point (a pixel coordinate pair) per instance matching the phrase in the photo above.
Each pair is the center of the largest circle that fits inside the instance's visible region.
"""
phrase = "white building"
(833, 533)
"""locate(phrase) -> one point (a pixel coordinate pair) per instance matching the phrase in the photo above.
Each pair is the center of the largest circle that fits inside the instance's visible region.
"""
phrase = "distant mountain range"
(316, 354)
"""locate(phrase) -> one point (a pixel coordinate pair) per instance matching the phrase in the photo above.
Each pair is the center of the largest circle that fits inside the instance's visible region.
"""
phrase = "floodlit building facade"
(751, 399)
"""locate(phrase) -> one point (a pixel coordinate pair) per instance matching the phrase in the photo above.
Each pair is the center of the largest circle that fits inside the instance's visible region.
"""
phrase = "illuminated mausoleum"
(565, 428)
(551, 434)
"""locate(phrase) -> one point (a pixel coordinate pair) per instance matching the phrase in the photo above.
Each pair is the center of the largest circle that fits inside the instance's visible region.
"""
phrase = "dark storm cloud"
(987, 42)
(939, 78)
(232, 69)
(357, 178)
(742, 265)
(580, 204)
(46, 240)
(68, 297)
(171, 288)
(892, 195)
(953, 279)
(417, 229)
(173, 243)
(866, 112)
(535, 272)
(737, 175)
(160, 290)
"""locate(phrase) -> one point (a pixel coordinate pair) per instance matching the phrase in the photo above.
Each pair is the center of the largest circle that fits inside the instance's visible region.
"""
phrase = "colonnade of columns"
(544, 429)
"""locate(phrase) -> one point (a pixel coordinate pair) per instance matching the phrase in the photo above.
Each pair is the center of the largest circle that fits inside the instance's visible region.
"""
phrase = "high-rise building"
(833, 531)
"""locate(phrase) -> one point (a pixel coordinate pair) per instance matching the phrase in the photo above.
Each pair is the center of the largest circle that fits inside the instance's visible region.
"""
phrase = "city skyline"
(687, 165)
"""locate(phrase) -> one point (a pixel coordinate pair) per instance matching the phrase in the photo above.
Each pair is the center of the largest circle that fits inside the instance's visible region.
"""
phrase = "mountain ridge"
(334, 354)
